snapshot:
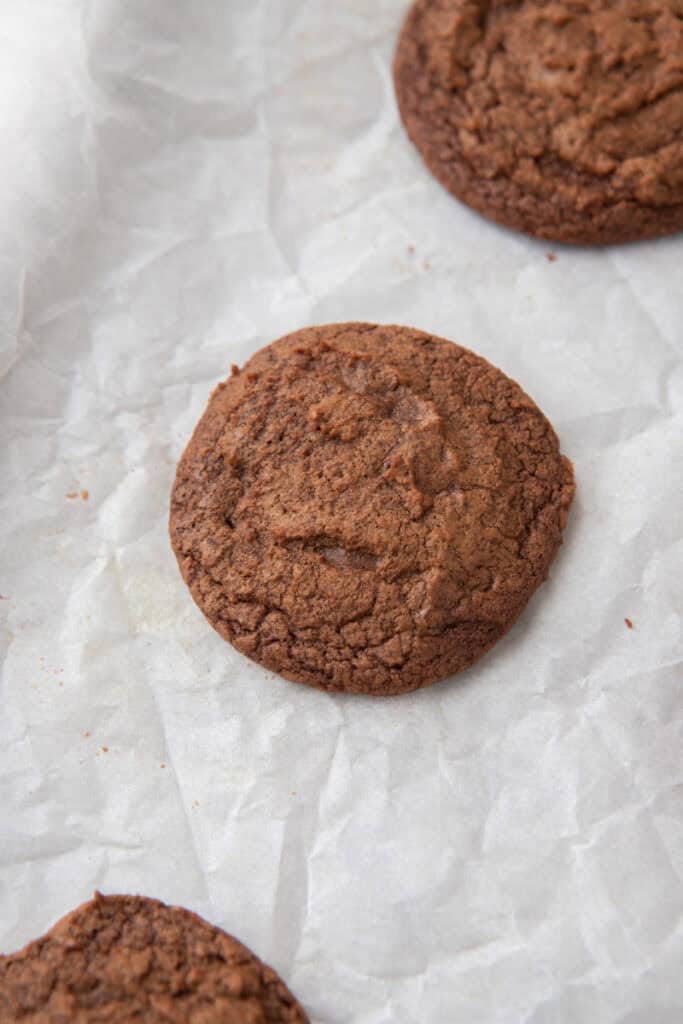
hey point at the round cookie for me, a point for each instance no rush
(560, 119)
(125, 958)
(368, 509)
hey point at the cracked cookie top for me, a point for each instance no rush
(562, 119)
(368, 509)
(126, 958)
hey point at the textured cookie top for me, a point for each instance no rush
(561, 119)
(368, 508)
(120, 959)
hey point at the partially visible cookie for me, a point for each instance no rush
(561, 119)
(120, 959)
(368, 509)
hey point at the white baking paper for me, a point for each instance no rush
(182, 183)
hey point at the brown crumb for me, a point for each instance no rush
(85, 735)
(427, 265)
(85, 495)
(71, 495)
(105, 750)
(628, 623)
(551, 257)
(411, 250)
(162, 765)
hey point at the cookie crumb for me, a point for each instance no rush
(162, 765)
(86, 735)
(85, 495)
(105, 750)
(628, 623)
(427, 265)
(72, 495)
(411, 250)
(551, 257)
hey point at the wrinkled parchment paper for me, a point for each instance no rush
(182, 183)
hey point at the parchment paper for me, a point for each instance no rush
(182, 183)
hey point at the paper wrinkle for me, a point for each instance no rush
(182, 800)
(182, 185)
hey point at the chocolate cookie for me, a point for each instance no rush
(368, 509)
(561, 119)
(124, 958)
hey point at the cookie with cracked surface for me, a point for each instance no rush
(368, 509)
(560, 119)
(126, 958)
